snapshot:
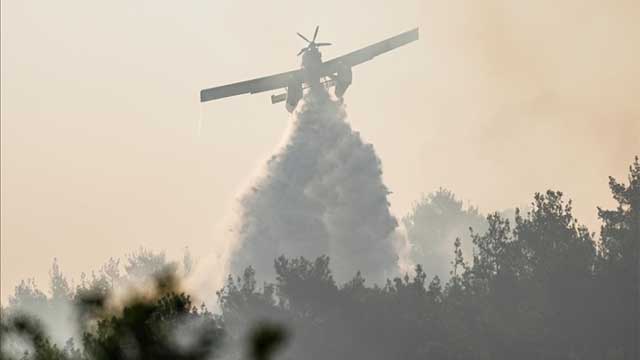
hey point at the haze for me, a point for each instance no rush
(102, 151)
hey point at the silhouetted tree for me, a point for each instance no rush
(144, 263)
(619, 267)
(433, 224)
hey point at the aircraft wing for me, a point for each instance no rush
(266, 83)
(365, 54)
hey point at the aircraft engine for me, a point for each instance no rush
(343, 80)
(294, 94)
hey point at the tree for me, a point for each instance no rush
(432, 226)
(559, 260)
(60, 289)
(619, 262)
(24, 333)
(166, 327)
(27, 295)
(307, 286)
(144, 263)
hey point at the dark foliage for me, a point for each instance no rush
(540, 287)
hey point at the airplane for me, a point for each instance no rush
(313, 72)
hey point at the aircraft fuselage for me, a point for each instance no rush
(311, 66)
(312, 76)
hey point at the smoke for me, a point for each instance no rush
(527, 85)
(322, 193)
(55, 317)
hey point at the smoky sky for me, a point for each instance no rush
(99, 107)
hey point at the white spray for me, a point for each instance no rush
(322, 193)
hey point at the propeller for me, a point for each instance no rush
(312, 43)
(304, 38)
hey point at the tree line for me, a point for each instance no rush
(535, 285)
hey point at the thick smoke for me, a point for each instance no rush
(321, 194)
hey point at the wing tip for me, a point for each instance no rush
(415, 32)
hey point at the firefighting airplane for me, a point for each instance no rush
(313, 73)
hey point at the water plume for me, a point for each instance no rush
(321, 193)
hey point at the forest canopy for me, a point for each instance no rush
(539, 285)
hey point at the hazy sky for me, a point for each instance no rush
(100, 111)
